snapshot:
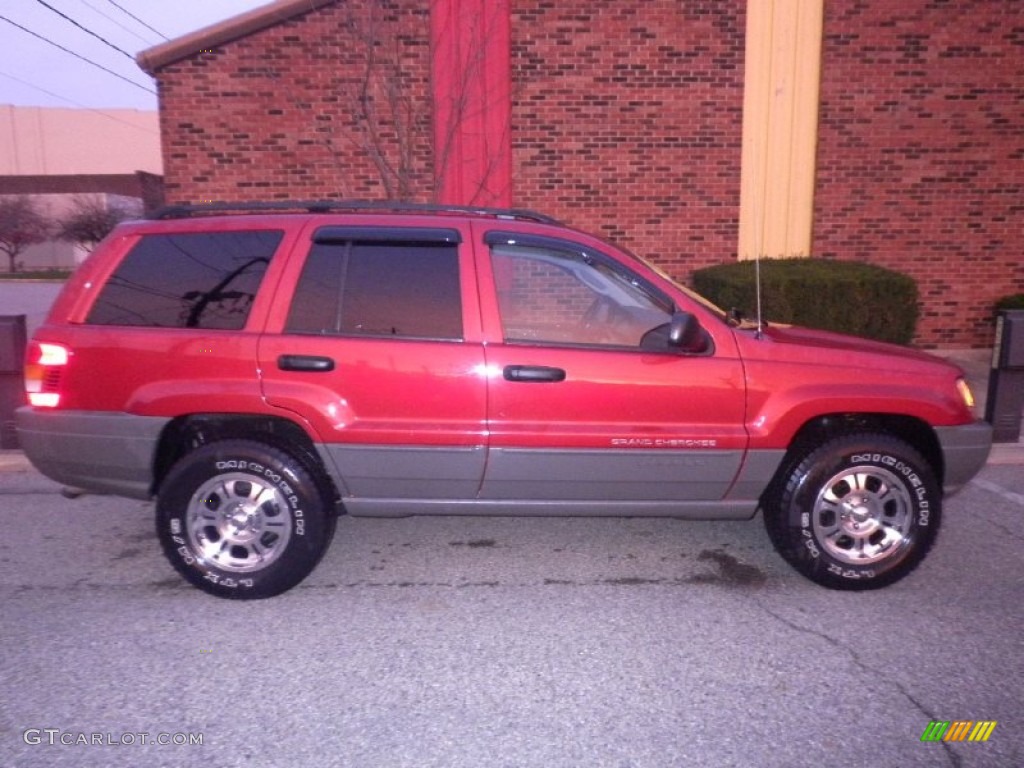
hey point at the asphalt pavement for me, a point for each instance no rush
(524, 642)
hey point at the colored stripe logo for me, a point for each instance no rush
(958, 730)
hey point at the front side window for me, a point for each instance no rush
(193, 280)
(548, 295)
(379, 288)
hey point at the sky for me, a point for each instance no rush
(34, 72)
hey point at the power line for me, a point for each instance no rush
(112, 20)
(129, 13)
(77, 104)
(76, 55)
(85, 29)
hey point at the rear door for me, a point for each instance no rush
(378, 349)
(584, 405)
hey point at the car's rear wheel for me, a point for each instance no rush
(244, 520)
(858, 512)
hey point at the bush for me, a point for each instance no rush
(1014, 301)
(91, 218)
(844, 296)
(22, 223)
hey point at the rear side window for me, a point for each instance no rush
(395, 289)
(195, 280)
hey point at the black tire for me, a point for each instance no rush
(859, 512)
(244, 520)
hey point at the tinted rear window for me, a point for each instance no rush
(195, 280)
(403, 289)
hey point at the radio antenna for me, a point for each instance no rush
(757, 290)
(755, 175)
(758, 246)
(760, 216)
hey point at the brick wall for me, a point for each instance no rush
(921, 152)
(627, 121)
(280, 114)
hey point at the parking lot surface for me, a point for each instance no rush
(505, 642)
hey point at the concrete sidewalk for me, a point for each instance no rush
(13, 461)
(975, 362)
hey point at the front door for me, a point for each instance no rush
(583, 403)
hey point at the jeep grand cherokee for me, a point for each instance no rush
(261, 369)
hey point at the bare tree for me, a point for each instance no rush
(380, 119)
(380, 113)
(21, 224)
(390, 124)
(90, 219)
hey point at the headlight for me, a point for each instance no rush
(965, 392)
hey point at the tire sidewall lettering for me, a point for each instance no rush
(798, 541)
(183, 550)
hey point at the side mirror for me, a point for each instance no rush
(684, 333)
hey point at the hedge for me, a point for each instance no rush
(1014, 301)
(844, 296)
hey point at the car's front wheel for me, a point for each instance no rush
(858, 512)
(244, 520)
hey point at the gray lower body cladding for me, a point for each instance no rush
(114, 453)
(99, 451)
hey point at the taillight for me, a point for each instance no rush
(44, 365)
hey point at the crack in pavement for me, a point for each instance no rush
(1007, 495)
(705, 579)
(954, 759)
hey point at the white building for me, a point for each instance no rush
(57, 154)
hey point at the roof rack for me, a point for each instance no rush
(331, 206)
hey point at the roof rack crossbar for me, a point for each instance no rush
(329, 206)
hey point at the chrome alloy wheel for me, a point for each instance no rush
(238, 522)
(863, 515)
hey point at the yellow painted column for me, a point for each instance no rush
(780, 127)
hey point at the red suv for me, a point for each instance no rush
(261, 369)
